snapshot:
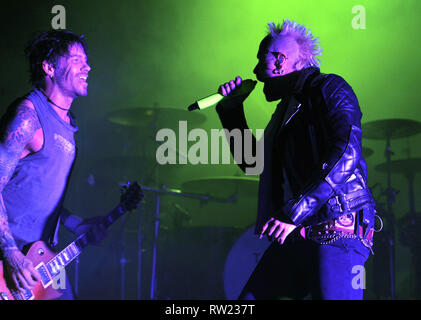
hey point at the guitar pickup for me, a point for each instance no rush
(46, 279)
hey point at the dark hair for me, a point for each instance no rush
(49, 46)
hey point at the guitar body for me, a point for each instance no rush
(49, 264)
(37, 253)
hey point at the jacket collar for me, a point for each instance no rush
(304, 81)
(292, 84)
(295, 101)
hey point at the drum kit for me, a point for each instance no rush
(387, 130)
(183, 218)
(227, 203)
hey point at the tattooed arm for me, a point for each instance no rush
(15, 143)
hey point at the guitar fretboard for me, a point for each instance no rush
(74, 249)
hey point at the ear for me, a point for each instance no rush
(48, 69)
(299, 65)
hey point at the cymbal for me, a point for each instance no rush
(223, 187)
(390, 128)
(404, 166)
(367, 152)
(161, 117)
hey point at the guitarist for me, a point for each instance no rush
(37, 151)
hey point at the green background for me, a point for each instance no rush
(167, 54)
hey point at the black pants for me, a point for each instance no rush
(303, 268)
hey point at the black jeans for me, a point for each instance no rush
(301, 268)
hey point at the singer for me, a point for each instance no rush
(314, 203)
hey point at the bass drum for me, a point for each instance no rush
(241, 261)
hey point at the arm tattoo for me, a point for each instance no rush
(7, 243)
(21, 129)
(19, 132)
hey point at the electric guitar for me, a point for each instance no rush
(50, 264)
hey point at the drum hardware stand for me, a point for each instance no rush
(123, 262)
(139, 255)
(390, 129)
(410, 178)
(153, 127)
(390, 195)
(164, 191)
(151, 117)
(155, 245)
(413, 243)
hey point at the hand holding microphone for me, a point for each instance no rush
(226, 88)
(230, 93)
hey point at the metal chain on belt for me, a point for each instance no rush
(331, 238)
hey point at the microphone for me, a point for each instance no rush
(245, 87)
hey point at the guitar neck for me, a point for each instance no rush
(74, 249)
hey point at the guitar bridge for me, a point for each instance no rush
(4, 296)
(18, 295)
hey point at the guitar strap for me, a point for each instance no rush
(52, 240)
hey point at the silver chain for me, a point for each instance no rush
(333, 238)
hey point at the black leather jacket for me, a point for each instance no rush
(314, 170)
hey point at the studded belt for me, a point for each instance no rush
(342, 227)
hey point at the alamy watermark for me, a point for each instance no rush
(359, 20)
(59, 280)
(59, 20)
(358, 281)
(198, 153)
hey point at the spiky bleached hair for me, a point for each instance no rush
(308, 44)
